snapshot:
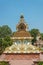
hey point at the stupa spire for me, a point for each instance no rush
(21, 26)
(21, 16)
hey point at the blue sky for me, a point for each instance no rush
(10, 11)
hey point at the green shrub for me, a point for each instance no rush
(40, 63)
(4, 63)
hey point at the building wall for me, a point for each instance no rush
(21, 59)
(29, 56)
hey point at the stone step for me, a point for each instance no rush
(21, 62)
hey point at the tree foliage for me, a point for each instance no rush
(5, 31)
(4, 63)
(7, 42)
(1, 46)
(34, 33)
(40, 63)
(42, 36)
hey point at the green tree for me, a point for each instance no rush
(0, 32)
(34, 33)
(5, 31)
(41, 36)
(1, 46)
(7, 42)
